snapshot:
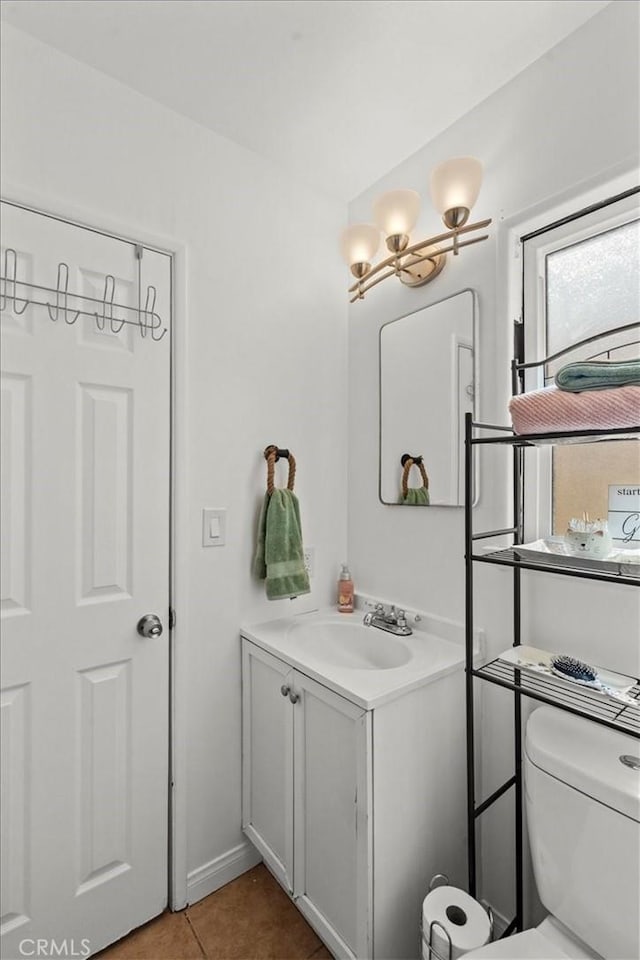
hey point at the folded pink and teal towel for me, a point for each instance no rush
(598, 375)
(550, 410)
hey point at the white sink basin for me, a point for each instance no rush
(350, 645)
(364, 664)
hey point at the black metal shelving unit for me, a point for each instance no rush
(559, 693)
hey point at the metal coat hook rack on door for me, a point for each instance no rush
(146, 318)
(149, 311)
(9, 284)
(62, 296)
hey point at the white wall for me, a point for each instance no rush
(567, 123)
(265, 360)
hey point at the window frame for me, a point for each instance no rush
(534, 247)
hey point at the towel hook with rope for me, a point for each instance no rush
(272, 454)
(407, 462)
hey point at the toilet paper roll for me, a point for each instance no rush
(463, 918)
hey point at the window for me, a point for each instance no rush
(581, 277)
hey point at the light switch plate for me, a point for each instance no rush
(214, 526)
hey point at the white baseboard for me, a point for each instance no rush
(225, 868)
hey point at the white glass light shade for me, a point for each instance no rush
(396, 212)
(456, 183)
(359, 243)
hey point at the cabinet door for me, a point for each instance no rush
(267, 759)
(332, 794)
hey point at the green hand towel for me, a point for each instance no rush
(598, 375)
(416, 497)
(259, 562)
(279, 555)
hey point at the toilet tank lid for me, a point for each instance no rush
(585, 756)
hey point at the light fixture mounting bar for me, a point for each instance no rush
(397, 260)
(359, 294)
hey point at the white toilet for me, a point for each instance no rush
(583, 813)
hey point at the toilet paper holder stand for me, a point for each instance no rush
(441, 880)
(432, 952)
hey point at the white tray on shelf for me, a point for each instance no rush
(555, 551)
(612, 686)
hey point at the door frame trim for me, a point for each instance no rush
(177, 251)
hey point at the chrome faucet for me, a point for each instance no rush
(392, 620)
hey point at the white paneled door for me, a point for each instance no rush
(85, 555)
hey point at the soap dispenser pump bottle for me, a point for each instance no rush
(345, 591)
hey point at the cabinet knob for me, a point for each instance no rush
(294, 697)
(285, 690)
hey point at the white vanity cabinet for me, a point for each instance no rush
(306, 796)
(267, 760)
(354, 809)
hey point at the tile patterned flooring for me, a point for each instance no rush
(250, 918)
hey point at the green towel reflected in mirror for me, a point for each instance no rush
(416, 497)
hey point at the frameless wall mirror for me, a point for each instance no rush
(428, 382)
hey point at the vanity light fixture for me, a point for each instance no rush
(455, 185)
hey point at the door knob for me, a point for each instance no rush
(284, 690)
(149, 626)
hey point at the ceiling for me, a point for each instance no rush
(337, 92)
